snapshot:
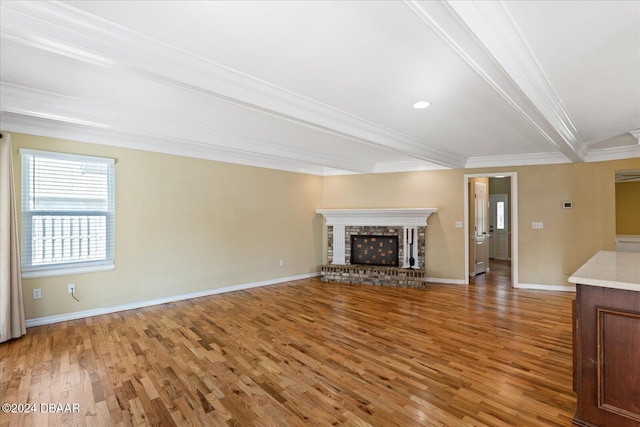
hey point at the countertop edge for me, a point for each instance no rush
(604, 283)
(610, 269)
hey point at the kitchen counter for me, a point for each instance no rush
(608, 269)
(606, 340)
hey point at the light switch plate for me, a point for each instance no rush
(537, 225)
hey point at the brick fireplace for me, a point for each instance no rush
(407, 226)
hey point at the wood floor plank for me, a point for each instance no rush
(307, 353)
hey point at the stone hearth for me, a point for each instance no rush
(374, 275)
(409, 225)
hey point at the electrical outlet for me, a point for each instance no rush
(37, 293)
(458, 224)
(71, 288)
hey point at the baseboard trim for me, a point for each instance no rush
(446, 281)
(47, 320)
(539, 287)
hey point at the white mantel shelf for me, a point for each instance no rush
(377, 217)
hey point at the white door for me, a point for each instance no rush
(499, 226)
(481, 233)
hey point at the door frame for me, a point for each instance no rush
(514, 221)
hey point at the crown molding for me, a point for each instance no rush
(43, 126)
(83, 120)
(636, 134)
(484, 35)
(529, 159)
(410, 166)
(116, 138)
(532, 159)
(64, 30)
(614, 153)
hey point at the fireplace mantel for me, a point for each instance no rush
(410, 219)
(375, 217)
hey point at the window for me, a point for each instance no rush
(67, 213)
(500, 215)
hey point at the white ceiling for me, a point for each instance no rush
(327, 87)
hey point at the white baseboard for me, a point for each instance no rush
(535, 286)
(446, 281)
(47, 320)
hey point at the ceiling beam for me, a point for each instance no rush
(484, 35)
(28, 110)
(64, 30)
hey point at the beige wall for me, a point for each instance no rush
(570, 236)
(546, 257)
(500, 186)
(186, 225)
(628, 208)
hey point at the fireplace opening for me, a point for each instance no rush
(374, 250)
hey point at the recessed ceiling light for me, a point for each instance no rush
(421, 104)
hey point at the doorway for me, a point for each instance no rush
(479, 227)
(498, 226)
(500, 238)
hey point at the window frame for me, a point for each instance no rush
(65, 267)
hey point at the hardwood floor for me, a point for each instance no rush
(306, 353)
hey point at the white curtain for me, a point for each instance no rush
(12, 324)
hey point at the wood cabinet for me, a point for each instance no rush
(607, 356)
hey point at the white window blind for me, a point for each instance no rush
(67, 213)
